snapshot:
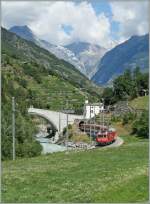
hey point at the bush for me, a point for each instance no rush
(125, 120)
(69, 126)
(6, 133)
(115, 118)
(23, 83)
(129, 85)
(28, 149)
(81, 137)
(6, 148)
(25, 130)
(141, 125)
(108, 95)
(128, 117)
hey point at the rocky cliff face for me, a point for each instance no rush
(88, 54)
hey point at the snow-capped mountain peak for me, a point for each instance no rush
(84, 56)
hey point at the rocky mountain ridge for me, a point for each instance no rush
(84, 56)
(127, 55)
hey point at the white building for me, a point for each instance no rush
(90, 110)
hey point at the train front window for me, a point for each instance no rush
(101, 136)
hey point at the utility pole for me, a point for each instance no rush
(84, 113)
(90, 123)
(13, 126)
(99, 121)
(67, 134)
(103, 111)
(94, 120)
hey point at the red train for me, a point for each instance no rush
(105, 137)
(93, 127)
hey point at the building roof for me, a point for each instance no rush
(93, 104)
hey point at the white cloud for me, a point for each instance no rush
(132, 16)
(46, 18)
(21, 12)
(81, 17)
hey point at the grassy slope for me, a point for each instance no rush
(140, 102)
(100, 175)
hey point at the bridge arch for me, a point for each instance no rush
(46, 118)
(57, 119)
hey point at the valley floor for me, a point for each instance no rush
(100, 175)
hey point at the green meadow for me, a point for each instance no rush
(100, 175)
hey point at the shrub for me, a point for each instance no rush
(125, 120)
(128, 117)
(81, 138)
(141, 125)
(115, 118)
(28, 149)
(69, 126)
(23, 83)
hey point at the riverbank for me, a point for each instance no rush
(49, 147)
(48, 144)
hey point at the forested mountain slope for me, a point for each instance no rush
(35, 77)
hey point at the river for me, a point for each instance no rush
(48, 147)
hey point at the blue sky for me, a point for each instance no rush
(101, 22)
(103, 6)
(67, 28)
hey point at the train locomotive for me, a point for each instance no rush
(106, 136)
(103, 135)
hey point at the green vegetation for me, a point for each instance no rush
(35, 77)
(100, 175)
(141, 125)
(81, 137)
(132, 87)
(37, 61)
(139, 122)
(77, 136)
(129, 85)
(134, 124)
(128, 118)
(32, 73)
(141, 102)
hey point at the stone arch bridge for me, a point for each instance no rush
(58, 120)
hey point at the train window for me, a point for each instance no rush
(100, 136)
